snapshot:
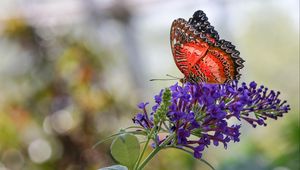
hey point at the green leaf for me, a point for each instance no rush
(125, 149)
(114, 167)
(141, 132)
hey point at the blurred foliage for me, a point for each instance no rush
(62, 105)
(291, 157)
(257, 158)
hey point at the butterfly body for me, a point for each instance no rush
(199, 53)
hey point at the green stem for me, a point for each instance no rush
(144, 149)
(191, 153)
(155, 151)
(149, 157)
(207, 163)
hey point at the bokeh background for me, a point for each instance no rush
(72, 72)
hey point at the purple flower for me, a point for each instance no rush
(203, 110)
(142, 119)
(143, 105)
(158, 99)
(198, 150)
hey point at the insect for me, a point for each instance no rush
(199, 53)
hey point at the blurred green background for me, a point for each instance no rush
(72, 72)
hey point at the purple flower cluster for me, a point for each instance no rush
(203, 110)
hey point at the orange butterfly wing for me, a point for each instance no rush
(200, 55)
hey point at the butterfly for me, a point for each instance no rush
(199, 53)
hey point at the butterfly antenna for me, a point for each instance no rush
(162, 79)
(168, 75)
(172, 78)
